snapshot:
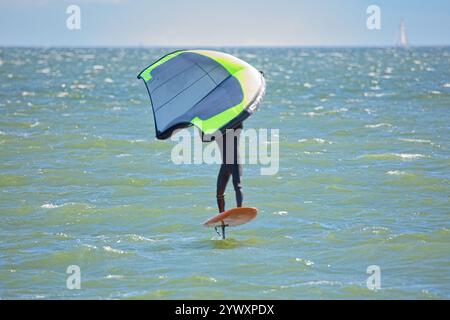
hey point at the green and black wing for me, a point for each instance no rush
(209, 89)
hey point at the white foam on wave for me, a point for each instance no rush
(386, 156)
(51, 206)
(395, 172)
(110, 249)
(322, 141)
(281, 213)
(374, 95)
(333, 111)
(378, 125)
(82, 86)
(136, 237)
(312, 152)
(44, 71)
(89, 246)
(62, 94)
(123, 155)
(424, 141)
(305, 261)
(136, 140)
(409, 156)
(62, 235)
(415, 140)
(313, 283)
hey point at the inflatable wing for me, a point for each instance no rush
(209, 89)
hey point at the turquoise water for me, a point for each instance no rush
(363, 180)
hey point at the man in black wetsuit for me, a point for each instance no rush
(231, 166)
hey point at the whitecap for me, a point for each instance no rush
(51, 206)
(136, 237)
(110, 249)
(409, 156)
(383, 124)
(305, 261)
(395, 172)
(44, 71)
(89, 246)
(317, 140)
(312, 283)
(62, 235)
(373, 95)
(310, 114)
(281, 213)
(82, 86)
(62, 94)
(321, 141)
(415, 140)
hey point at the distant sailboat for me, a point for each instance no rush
(403, 38)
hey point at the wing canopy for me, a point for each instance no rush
(209, 89)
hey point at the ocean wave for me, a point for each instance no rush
(392, 156)
(313, 283)
(415, 140)
(395, 173)
(110, 249)
(136, 237)
(51, 206)
(383, 124)
(281, 213)
(306, 262)
(114, 276)
(122, 155)
(315, 140)
(324, 113)
(422, 141)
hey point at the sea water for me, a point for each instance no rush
(363, 180)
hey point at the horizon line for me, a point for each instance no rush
(367, 46)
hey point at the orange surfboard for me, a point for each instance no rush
(232, 217)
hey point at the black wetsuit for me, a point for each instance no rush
(232, 167)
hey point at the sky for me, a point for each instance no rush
(197, 23)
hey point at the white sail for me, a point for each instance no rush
(403, 40)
